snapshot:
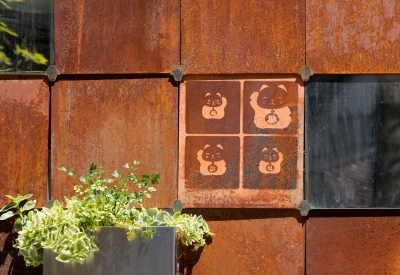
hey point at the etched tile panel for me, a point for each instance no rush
(241, 143)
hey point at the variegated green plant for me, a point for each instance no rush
(15, 208)
(70, 231)
(56, 229)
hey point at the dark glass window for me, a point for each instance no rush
(353, 141)
(26, 35)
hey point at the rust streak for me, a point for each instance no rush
(80, 32)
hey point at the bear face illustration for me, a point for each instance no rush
(214, 106)
(211, 160)
(270, 107)
(271, 161)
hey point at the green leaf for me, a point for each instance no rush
(29, 205)
(6, 29)
(160, 216)
(5, 5)
(71, 173)
(8, 196)
(154, 178)
(7, 215)
(80, 245)
(63, 168)
(27, 196)
(185, 240)
(36, 263)
(92, 167)
(32, 252)
(18, 224)
(20, 198)
(40, 257)
(152, 212)
(117, 174)
(56, 204)
(47, 211)
(145, 179)
(63, 258)
(8, 207)
(168, 219)
(23, 252)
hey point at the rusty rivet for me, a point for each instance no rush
(305, 73)
(304, 208)
(177, 73)
(52, 73)
(177, 206)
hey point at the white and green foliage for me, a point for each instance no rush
(53, 228)
(190, 228)
(98, 201)
(18, 208)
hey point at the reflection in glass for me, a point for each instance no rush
(26, 34)
(353, 141)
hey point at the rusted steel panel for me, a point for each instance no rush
(239, 36)
(353, 245)
(24, 126)
(10, 262)
(353, 36)
(116, 36)
(241, 143)
(112, 122)
(249, 242)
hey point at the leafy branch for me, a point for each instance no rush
(98, 201)
(17, 208)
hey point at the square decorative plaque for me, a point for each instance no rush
(241, 143)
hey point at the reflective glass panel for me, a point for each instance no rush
(353, 141)
(26, 35)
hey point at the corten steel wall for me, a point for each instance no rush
(24, 127)
(24, 132)
(110, 37)
(239, 36)
(115, 102)
(350, 37)
(353, 242)
(111, 122)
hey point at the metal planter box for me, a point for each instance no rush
(118, 256)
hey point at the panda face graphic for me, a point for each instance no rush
(211, 160)
(212, 153)
(272, 97)
(271, 160)
(270, 155)
(270, 107)
(214, 106)
(213, 100)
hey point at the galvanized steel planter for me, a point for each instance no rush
(118, 256)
